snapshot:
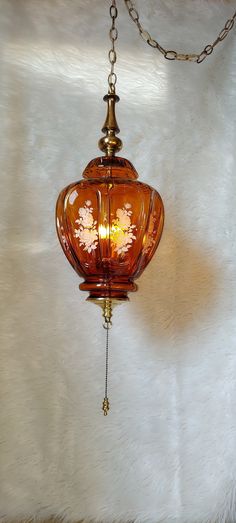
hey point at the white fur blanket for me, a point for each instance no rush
(167, 451)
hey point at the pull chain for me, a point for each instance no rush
(107, 314)
(106, 404)
(112, 78)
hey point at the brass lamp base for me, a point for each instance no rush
(107, 305)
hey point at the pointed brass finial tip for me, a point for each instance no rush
(110, 144)
(105, 406)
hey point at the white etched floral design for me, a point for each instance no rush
(122, 230)
(87, 230)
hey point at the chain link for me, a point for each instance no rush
(174, 55)
(113, 34)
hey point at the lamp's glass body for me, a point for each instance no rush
(109, 226)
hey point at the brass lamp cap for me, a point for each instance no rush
(110, 143)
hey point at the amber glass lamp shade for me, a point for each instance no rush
(109, 226)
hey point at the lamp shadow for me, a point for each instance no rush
(179, 288)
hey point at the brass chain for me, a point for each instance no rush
(113, 33)
(174, 55)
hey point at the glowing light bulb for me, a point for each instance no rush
(103, 231)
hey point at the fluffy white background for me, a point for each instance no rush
(167, 450)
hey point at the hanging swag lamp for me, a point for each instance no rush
(109, 224)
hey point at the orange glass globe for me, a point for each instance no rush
(109, 226)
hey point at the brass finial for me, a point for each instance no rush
(110, 143)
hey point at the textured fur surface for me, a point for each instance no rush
(167, 450)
